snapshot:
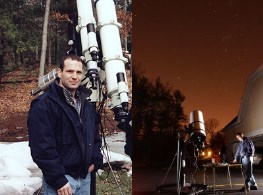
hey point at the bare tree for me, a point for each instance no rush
(211, 126)
(44, 40)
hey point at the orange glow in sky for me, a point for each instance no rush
(207, 49)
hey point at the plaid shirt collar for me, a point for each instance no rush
(70, 99)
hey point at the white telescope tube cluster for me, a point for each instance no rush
(113, 60)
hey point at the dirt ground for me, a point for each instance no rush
(15, 98)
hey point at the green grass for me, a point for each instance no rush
(106, 184)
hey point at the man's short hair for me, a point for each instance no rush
(71, 57)
(239, 134)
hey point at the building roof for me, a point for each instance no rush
(230, 124)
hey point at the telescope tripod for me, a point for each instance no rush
(180, 186)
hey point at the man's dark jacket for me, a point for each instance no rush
(245, 148)
(61, 142)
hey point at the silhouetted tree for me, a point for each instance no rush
(217, 142)
(158, 112)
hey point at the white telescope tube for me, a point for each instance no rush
(86, 28)
(198, 134)
(111, 49)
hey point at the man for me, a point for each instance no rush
(245, 152)
(63, 134)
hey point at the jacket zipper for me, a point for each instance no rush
(81, 136)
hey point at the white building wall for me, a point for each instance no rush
(250, 118)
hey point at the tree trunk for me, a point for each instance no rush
(36, 54)
(125, 34)
(49, 52)
(56, 44)
(44, 41)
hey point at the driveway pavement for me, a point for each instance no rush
(145, 180)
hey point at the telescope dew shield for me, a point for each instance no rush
(197, 128)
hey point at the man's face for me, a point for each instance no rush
(70, 77)
(239, 138)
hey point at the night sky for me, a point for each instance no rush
(205, 48)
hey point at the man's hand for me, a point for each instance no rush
(65, 190)
(91, 168)
(235, 160)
